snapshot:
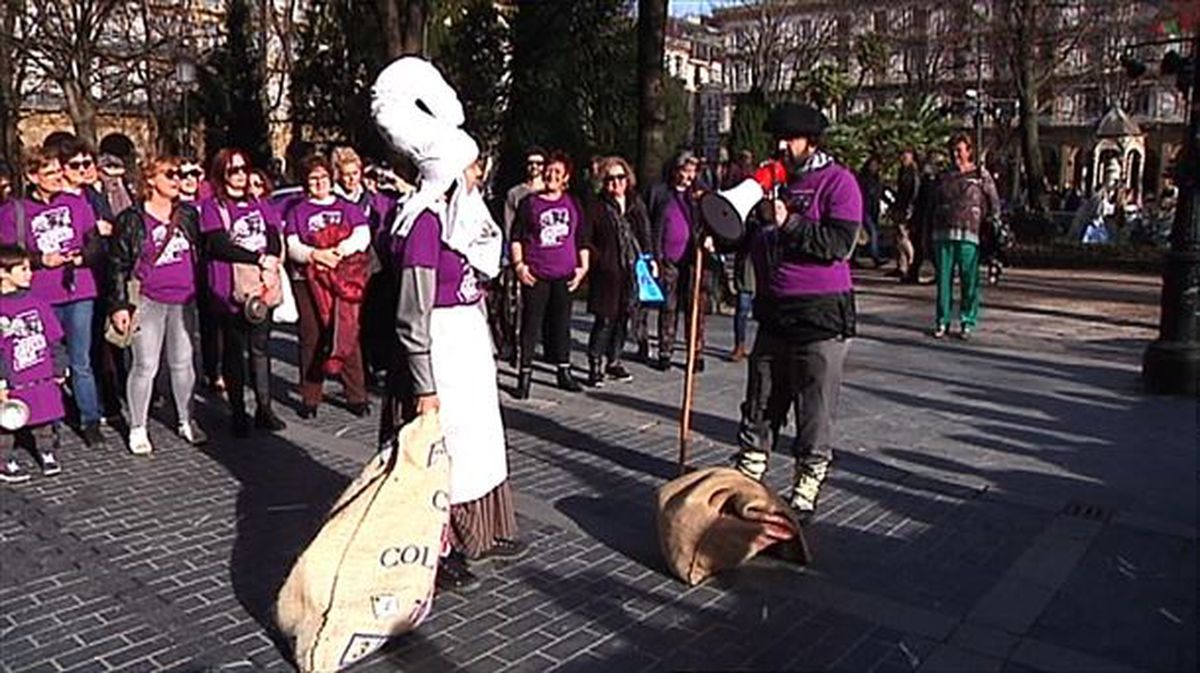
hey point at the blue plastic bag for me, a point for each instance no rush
(648, 290)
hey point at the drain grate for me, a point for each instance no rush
(1091, 512)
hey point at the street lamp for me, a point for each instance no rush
(1171, 364)
(185, 76)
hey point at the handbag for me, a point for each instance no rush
(649, 291)
(255, 290)
(133, 290)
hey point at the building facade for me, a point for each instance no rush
(957, 52)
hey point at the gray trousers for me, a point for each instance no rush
(785, 376)
(158, 323)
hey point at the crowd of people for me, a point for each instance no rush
(101, 278)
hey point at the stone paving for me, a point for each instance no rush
(1013, 503)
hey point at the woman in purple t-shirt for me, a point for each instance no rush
(550, 257)
(155, 244)
(238, 229)
(306, 220)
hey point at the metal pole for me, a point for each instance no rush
(1171, 364)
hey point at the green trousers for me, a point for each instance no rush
(963, 256)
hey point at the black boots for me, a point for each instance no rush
(566, 381)
(595, 375)
(524, 380)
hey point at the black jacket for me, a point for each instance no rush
(126, 247)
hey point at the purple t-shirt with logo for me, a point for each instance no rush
(60, 226)
(423, 248)
(28, 332)
(306, 218)
(828, 193)
(166, 268)
(251, 223)
(676, 227)
(548, 230)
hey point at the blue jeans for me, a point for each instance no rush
(76, 319)
(872, 228)
(741, 316)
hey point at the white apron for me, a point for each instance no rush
(465, 375)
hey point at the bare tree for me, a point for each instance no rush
(1036, 39)
(777, 40)
(88, 51)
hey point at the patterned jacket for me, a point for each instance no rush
(964, 202)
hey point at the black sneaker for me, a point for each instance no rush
(49, 463)
(266, 419)
(92, 436)
(505, 549)
(454, 575)
(662, 364)
(617, 372)
(567, 381)
(11, 473)
(359, 409)
(306, 412)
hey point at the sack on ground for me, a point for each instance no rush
(718, 518)
(368, 575)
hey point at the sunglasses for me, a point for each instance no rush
(535, 162)
(616, 178)
(171, 174)
(79, 164)
(191, 173)
(236, 170)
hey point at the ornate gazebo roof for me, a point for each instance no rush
(1116, 124)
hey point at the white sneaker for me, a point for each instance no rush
(139, 442)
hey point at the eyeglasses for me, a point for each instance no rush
(618, 177)
(235, 170)
(79, 164)
(535, 162)
(191, 173)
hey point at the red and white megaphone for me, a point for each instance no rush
(725, 212)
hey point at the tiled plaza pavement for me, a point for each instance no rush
(1009, 504)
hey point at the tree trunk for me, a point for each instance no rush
(10, 104)
(82, 110)
(652, 112)
(404, 27)
(1027, 94)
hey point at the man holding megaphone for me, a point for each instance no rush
(804, 306)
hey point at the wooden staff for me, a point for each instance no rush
(689, 376)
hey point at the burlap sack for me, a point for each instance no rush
(368, 575)
(719, 518)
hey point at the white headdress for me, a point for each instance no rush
(420, 115)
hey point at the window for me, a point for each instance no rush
(881, 21)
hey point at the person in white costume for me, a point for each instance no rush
(445, 245)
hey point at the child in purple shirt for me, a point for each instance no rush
(32, 365)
